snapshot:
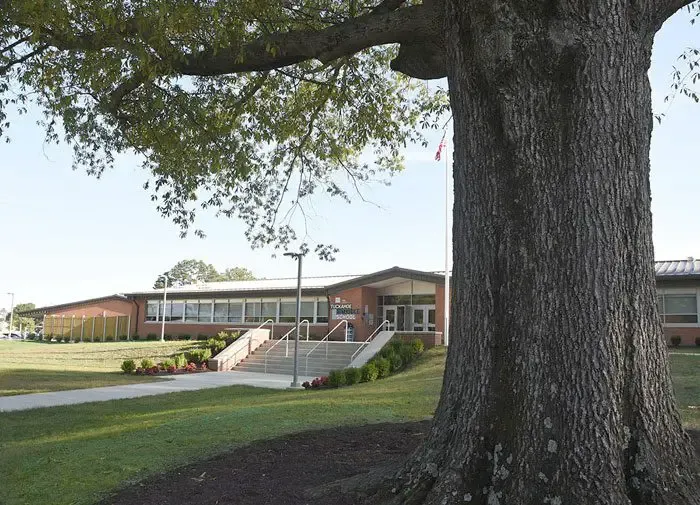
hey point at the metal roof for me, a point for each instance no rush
(689, 267)
(289, 283)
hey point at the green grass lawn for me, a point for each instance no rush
(75, 454)
(34, 367)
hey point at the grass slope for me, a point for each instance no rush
(33, 367)
(73, 455)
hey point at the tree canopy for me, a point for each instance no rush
(26, 323)
(192, 271)
(244, 107)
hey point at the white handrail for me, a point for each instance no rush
(325, 339)
(286, 338)
(250, 336)
(369, 339)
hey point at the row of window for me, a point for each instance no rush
(235, 311)
(678, 308)
(406, 300)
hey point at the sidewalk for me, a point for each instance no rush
(177, 383)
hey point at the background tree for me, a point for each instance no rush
(193, 271)
(19, 321)
(557, 388)
(236, 274)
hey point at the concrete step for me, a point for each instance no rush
(315, 372)
(290, 359)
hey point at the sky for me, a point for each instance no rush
(67, 236)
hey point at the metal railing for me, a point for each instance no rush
(369, 339)
(250, 334)
(325, 339)
(285, 337)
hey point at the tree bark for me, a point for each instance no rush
(557, 386)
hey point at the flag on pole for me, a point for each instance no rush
(442, 145)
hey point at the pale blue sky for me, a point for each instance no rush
(67, 236)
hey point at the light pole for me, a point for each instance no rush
(295, 380)
(12, 311)
(165, 298)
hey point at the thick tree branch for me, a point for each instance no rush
(281, 50)
(661, 10)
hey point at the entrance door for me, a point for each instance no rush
(418, 319)
(401, 318)
(390, 315)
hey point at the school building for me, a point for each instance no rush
(349, 307)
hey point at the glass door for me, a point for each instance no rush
(390, 315)
(401, 318)
(418, 319)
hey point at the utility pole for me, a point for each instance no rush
(165, 297)
(295, 380)
(12, 311)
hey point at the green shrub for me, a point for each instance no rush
(352, 375)
(47, 338)
(228, 337)
(151, 336)
(417, 346)
(168, 363)
(128, 366)
(147, 363)
(406, 353)
(135, 336)
(697, 340)
(180, 360)
(122, 338)
(395, 362)
(369, 372)
(185, 337)
(109, 338)
(202, 337)
(198, 356)
(215, 345)
(383, 367)
(676, 340)
(395, 346)
(167, 338)
(336, 378)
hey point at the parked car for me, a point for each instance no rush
(13, 335)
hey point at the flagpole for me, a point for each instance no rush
(446, 330)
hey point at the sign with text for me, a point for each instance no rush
(344, 311)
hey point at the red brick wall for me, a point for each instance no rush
(430, 339)
(688, 335)
(358, 298)
(440, 308)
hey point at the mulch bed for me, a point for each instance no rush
(281, 470)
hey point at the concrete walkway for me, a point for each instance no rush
(177, 383)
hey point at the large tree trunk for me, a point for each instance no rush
(557, 387)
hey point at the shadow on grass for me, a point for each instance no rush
(21, 381)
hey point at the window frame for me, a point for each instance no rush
(662, 293)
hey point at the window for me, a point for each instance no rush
(152, 311)
(307, 311)
(191, 311)
(220, 312)
(423, 300)
(269, 311)
(322, 312)
(204, 312)
(678, 308)
(235, 312)
(288, 312)
(253, 312)
(177, 311)
(406, 300)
